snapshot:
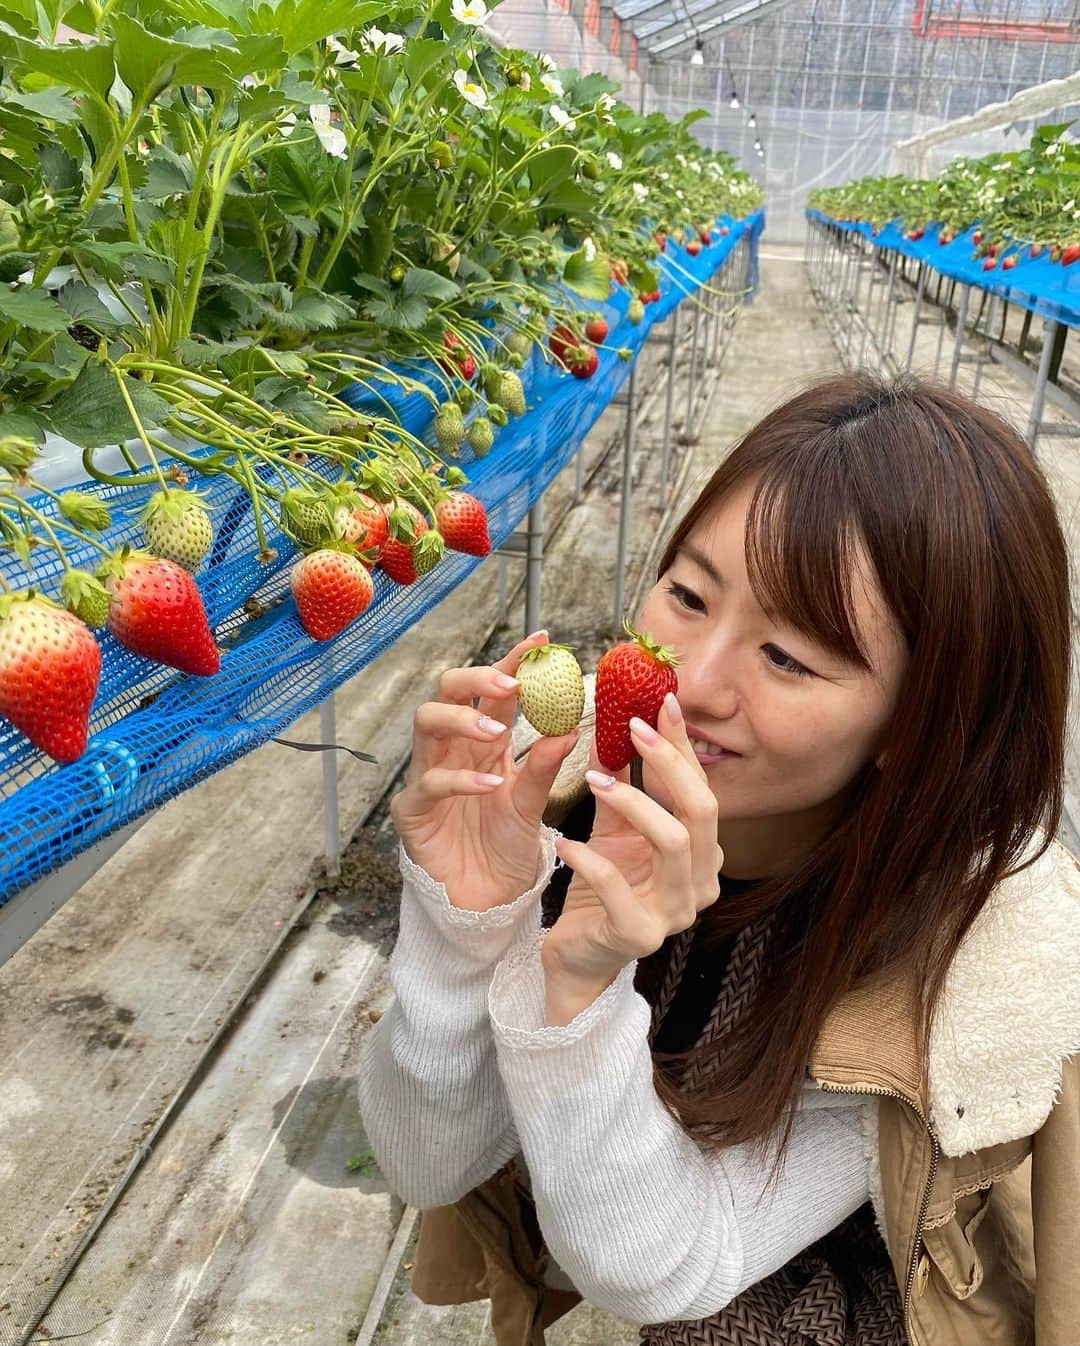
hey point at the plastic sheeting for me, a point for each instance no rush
(1035, 283)
(155, 732)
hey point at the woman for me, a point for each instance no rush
(840, 1104)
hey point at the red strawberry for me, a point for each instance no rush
(396, 556)
(694, 247)
(157, 611)
(462, 520)
(371, 522)
(945, 237)
(50, 664)
(724, 231)
(596, 329)
(461, 361)
(583, 362)
(989, 263)
(1071, 253)
(560, 341)
(331, 589)
(654, 297)
(706, 238)
(661, 240)
(915, 234)
(631, 679)
(1036, 250)
(992, 249)
(977, 236)
(1009, 262)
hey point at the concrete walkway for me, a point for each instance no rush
(247, 1224)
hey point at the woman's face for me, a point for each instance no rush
(784, 725)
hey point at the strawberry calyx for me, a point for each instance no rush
(538, 652)
(663, 654)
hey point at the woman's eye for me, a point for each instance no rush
(686, 597)
(784, 662)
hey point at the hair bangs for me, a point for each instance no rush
(803, 551)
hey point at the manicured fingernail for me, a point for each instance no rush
(486, 778)
(505, 680)
(599, 781)
(673, 707)
(490, 726)
(644, 731)
(538, 635)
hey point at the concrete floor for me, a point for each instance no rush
(245, 1224)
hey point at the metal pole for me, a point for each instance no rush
(625, 497)
(669, 403)
(1038, 396)
(534, 564)
(331, 803)
(918, 314)
(693, 372)
(579, 473)
(961, 323)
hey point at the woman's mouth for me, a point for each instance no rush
(707, 753)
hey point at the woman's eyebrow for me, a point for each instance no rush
(701, 560)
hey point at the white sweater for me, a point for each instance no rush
(461, 1074)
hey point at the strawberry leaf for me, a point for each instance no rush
(32, 308)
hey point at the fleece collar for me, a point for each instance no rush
(1010, 1010)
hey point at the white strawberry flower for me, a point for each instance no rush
(614, 160)
(588, 247)
(681, 159)
(605, 102)
(386, 44)
(640, 190)
(552, 85)
(471, 91)
(559, 117)
(342, 55)
(546, 62)
(470, 12)
(332, 138)
(525, 83)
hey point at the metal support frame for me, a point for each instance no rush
(669, 403)
(331, 801)
(836, 283)
(626, 494)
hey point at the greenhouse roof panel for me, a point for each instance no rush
(677, 27)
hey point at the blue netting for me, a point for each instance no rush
(1035, 283)
(156, 732)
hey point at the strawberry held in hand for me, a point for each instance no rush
(631, 679)
(157, 611)
(50, 664)
(552, 691)
(331, 589)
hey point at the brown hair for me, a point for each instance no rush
(957, 519)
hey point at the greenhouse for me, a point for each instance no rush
(538, 777)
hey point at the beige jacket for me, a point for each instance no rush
(974, 1151)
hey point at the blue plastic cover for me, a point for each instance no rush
(1035, 283)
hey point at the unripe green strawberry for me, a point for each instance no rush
(86, 596)
(552, 691)
(306, 516)
(506, 391)
(428, 552)
(517, 343)
(636, 312)
(449, 427)
(85, 510)
(481, 436)
(177, 527)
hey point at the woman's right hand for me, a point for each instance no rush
(468, 814)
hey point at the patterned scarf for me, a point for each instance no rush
(841, 1291)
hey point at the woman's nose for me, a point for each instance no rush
(707, 689)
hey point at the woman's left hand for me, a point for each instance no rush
(643, 875)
